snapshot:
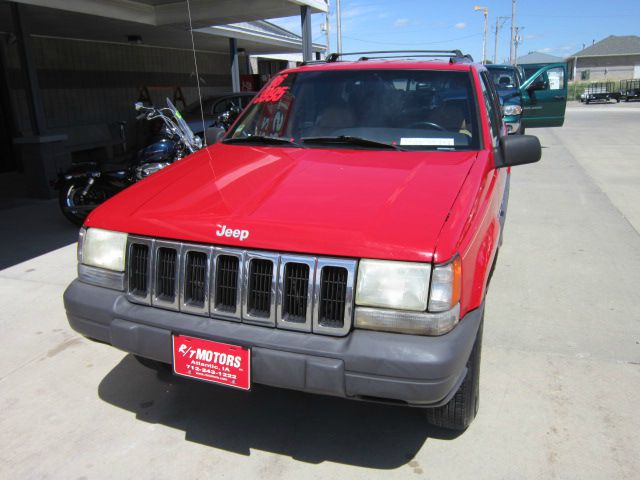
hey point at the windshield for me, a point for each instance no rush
(407, 109)
(505, 79)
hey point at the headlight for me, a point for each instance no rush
(388, 284)
(445, 286)
(512, 109)
(394, 296)
(103, 249)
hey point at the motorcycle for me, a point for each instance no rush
(85, 186)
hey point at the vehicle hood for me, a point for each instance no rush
(338, 202)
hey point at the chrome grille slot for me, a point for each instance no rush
(194, 296)
(295, 290)
(259, 293)
(333, 291)
(333, 297)
(139, 270)
(227, 273)
(166, 275)
(259, 303)
(226, 289)
(195, 274)
(139, 263)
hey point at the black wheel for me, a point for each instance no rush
(520, 130)
(153, 364)
(75, 206)
(462, 408)
(587, 102)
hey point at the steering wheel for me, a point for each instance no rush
(433, 125)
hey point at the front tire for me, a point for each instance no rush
(76, 207)
(460, 411)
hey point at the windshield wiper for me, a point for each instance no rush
(349, 140)
(262, 139)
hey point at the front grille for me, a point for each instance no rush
(295, 292)
(139, 270)
(333, 293)
(166, 274)
(195, 276)
(226, 291)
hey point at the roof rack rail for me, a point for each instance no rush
(455, 56)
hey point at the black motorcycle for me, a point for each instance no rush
(85, 186)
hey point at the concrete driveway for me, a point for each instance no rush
(560, 374)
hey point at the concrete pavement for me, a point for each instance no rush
(560, 373)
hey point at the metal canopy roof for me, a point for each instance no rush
(204, 13)
(258, 37)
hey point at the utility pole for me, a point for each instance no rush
(512, 58)
(339, 26)
(499, 23)
(517, 41)
(485, 12)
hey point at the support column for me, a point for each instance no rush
(305, 18)
(235, 67)
(42, 156)
(32, 87)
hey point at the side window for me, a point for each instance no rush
(493, 106)
(552, 79)
(556, 78)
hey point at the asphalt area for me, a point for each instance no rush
(560, 378)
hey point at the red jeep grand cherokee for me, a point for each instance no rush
(339, 240)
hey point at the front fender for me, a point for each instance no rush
(473, 228)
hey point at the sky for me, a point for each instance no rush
(556, 27)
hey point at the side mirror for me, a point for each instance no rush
(213, 134)
(138, 106)
(518, 150)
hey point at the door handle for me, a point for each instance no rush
(559, 97)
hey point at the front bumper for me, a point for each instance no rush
(366, 365)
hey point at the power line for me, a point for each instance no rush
(414, 43)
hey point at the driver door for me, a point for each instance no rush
(544, 97)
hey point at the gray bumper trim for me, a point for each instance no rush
(420, 371)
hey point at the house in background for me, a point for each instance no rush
(614, 58)
(533, 61)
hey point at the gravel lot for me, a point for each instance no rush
(560, 375)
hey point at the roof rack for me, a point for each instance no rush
(455, 56)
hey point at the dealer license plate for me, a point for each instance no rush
(212, 361)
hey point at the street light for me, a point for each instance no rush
(485, 12)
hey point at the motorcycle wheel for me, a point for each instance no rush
(75, 207)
